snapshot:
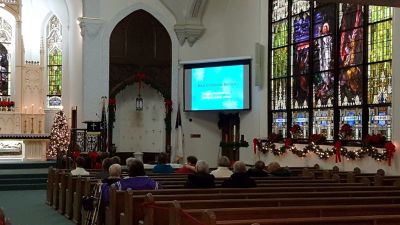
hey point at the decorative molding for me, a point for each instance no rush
(90, 26)
(188, 32)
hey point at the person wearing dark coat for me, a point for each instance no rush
(239, 178)
(201, 178)
(257, 170)
(276, 170)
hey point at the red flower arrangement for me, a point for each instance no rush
(295, 130)
(141, 76)
(288, 142)
(7, 103)
(346, 131)
(375, 140)
(274, 138)
(317, 139)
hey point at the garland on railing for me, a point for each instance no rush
(371, 146)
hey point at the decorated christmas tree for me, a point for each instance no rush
(59, 136)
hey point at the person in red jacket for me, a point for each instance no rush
(189, 167)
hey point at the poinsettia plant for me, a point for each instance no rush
(317, 139)
(346, 131)
(375, 140)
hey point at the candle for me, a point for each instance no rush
(26, 109)
(234, 133)
(40, 109)
(32, 107)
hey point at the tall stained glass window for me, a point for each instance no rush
(5, 47)
(54, 62)
(330, 65)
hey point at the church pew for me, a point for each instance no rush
(56, 187)
(77, 199)
(218, 182)
(133, 206)
(209, 219)
(117, 197)
(282, 212)
(276, 202)
(50, 181)
(69, 195)
(62, 191)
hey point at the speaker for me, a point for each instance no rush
(259, 64)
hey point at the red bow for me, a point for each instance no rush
(93, 156)
(288, 142)
(390, 149)
(338, 146)
(255, 143)
(140, 76)
(168, 105)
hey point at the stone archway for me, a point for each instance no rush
(139, 43)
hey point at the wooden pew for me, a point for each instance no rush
(69, 195)
(50, 181)
(77, 199)
(209, 219)
(283, 212)
(135, 204)
(63, 181)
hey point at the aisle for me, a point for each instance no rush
(29, 208)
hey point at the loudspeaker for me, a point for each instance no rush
(259, 64)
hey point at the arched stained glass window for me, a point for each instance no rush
(330, 65)
(54, 62)
(5, 48)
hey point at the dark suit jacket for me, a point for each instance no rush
(239, 180)
(200, 180)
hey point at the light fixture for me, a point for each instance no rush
(139, 103)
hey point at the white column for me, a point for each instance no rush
(95, 83)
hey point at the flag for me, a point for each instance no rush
(178, 156)
(103, 127)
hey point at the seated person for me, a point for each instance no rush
(80, 171)
(223, 168)
(162, 166)
(137, 179)
(115, 176)
(105, 165)
(116, 160)
(189, 167)
(201, 178)
(276, 170)
(239, 178)
(257, 170)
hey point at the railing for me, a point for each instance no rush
(85, 141)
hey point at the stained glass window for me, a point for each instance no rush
(301, 118)
(323, 123)
(5, 47)
(54, 62)
(279, 123)
(330, 62)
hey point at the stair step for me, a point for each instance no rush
(24, 181)
(27, 165)
(9, 187)
(26, 176)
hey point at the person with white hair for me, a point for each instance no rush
(239, 178)
(201, 178)
(223, 170)
(137, 179)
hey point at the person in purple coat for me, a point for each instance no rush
(137, 179)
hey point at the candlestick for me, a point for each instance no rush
(32, 131)
(24, 126)
(32, 107)
(40, 110)
(26, 109)
(234, 133)
(40, 126)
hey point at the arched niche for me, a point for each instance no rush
(140, 44)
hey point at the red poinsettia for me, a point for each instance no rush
(273, 137)
(93, 155)
(346, 131)
(295, 129)
(76, 154)
(375, 140)
(317, 139)
(288, 142)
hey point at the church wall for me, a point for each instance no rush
(232, 29)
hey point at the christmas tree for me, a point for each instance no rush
(60, 136)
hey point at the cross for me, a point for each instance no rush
(93, 126)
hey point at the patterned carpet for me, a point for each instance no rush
(29, 208)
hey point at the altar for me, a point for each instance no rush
(22, 136)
